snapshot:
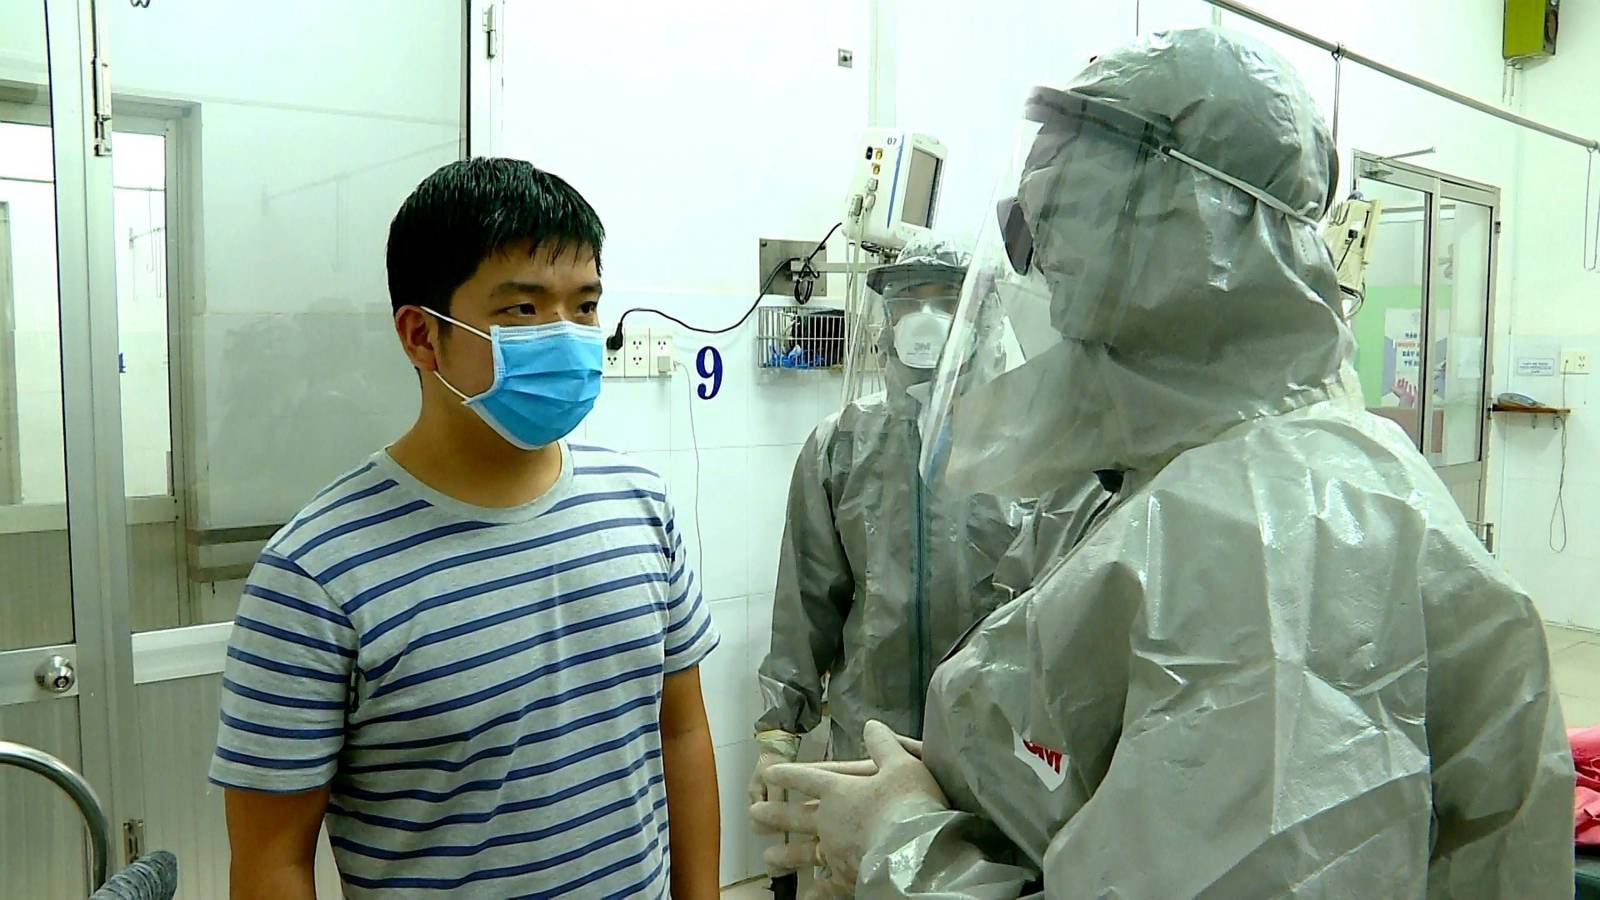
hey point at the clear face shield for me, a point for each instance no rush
(1056, 271)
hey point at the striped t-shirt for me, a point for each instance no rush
(482, 687)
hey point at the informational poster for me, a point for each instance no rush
(1535, 366)
(1536, 357)
(1402, 358)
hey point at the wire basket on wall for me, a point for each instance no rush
(789, 337)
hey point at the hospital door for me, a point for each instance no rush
(194, 336)
(1423, 325)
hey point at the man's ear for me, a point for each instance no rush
(419, 337)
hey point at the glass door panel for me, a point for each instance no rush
(253, 200)
(1388, 324)
(41, 833)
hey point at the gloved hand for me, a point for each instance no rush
(772, 747)
(827, 886)
(855, 800)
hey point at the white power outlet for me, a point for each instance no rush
(1575, 362)
(612, 367)
(661, 353)
(636, 354)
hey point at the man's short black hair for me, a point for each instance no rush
(472, 208)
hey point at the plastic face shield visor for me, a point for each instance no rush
(1076, 219)
(1061, 211)
(1063, 111)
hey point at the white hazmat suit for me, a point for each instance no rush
(1279, 663)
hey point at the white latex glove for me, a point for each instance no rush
(827, 886)
(855, 800)
(772, 747)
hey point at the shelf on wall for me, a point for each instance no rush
(1531, 410)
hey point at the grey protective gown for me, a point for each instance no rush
(878, 576)
(1279, 664)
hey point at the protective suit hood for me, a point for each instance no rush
(1184, 305)
(1278, 663)
(932, 268)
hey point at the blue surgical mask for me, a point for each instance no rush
(546, 379)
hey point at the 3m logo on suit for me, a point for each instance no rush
(1046, 762)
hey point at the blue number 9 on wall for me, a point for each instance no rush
(709, 363)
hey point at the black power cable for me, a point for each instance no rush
(807, 275)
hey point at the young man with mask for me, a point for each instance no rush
(476, 654)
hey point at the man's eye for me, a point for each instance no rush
(590, 308)
(525, 309)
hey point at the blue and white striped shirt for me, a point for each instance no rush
(482, 687)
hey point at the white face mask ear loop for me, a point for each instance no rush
(444, 318)
(459, 324)
(464, 398)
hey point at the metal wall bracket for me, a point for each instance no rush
(774, 254)
(491, 46)
(102, 107)
(100, 84)
(132, 839)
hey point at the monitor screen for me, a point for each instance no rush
(922, 187)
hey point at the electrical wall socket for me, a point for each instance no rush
(636, 354)
(1575, 362)
(612, 368)
(661, 353)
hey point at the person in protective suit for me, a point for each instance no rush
(878, 575)
(1278, 663)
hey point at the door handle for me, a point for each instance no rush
(56, 675)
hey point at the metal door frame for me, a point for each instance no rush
(1439, 186)
(10, 428)
(96, 508)
(104, 645)
(96, 500)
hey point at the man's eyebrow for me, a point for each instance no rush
(536, 288)
(519, 287)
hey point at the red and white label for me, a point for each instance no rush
(1046, 762)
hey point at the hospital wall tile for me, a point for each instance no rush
(719, 483)
(659, 462)
(632, 414)
(1558, 583)
(735, 764)
(1524, 523)
(1535, 445)
(722, 419)
(785, 405)
(723, 675)
(1529, 453)
(760, 633)
(766, 509)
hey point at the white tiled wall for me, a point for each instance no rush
(1528, 455)
(749, 435)
(689, 167)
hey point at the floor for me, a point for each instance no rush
(754, 889)
(1575, 660)
(1574, 657)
